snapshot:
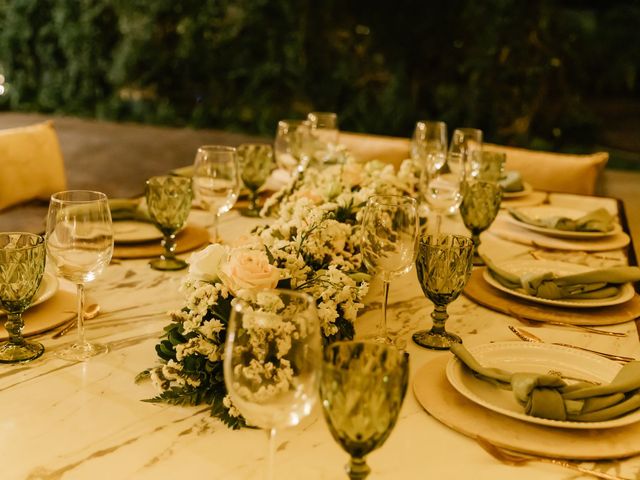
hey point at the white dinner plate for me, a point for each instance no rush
(520, 267)
(536, 358)
(131, 231)
(545, 211)
(48, 286)
(526, 190)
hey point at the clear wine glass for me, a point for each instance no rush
(429, 142)
(324, 127)
(468, 143)
(79, 245)
(256, 163)
(22, 261)
(389, 234)
(479, 208)
(169, 202)
(216, 181)
(362, 389)
(272, 361)
(443, 266)
(292, 145)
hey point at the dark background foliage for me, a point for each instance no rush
(545, 74)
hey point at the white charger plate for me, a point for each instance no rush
(520, 267)
(545, 211)
(535, 358)
(48, 287)
(131, 231)
(527, 189)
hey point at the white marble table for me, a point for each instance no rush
(87, 420)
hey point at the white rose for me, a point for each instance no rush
(352, 174)
(205, 264)
(249, 269)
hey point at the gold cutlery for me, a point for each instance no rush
(90, 312)
(517, 459)
(530, 337)
(538, 323)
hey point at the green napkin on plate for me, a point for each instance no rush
(549, 396)
(511, 182)
(601, 283)
(129, 209)
(599, 220)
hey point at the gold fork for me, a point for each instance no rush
(586, 328)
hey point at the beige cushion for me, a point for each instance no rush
(376, 147)
(555, 172)
(31, 164)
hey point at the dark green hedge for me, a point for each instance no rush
(523, 71)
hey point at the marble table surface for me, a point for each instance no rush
(64, 420)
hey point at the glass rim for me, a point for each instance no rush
(254, 144)
(177, 178)
(98, 196)
(405, 200)
(439, 123)
(241, 305)
(216, 148)
(40, 240)
(402, 356)
(464, 238)
(294, 122)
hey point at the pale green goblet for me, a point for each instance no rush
(479, 208)
(362, 388)
(22, 261)
(169, 201)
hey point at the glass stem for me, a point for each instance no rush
(14, 325)
(253, 201)
(271, 454)
(214, 228)
(80, 298)
(438, 224)
(439, 317)
(357, 468)
(169, 245)
(385, 296)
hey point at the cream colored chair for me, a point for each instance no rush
(31, 164)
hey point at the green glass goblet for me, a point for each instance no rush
(490, 166)
(256, 163)
(169, 201)
(362, 387)
(443, 266)
(22, 261)
(479, 208)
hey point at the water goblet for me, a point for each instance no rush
(443, 266)
(468, 142)
(429, 142)
(272, 360)
(362, 388)
(479, 208)
(490, 167)
(292, 145)
(389, 231)
(324, 128)
(79, 245)
(169, 202)
(216, 181)
(22, 261)
(256, 163)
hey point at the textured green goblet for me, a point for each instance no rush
(490, 166)
(443, 266)
(169, 201)
(22, 261)
(256, 163)
(479, 208)
(362, 388)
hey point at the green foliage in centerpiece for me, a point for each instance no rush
(310, 245)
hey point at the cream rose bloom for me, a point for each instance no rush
(248, 269)
(205, 264)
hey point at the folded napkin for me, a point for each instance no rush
(129, 209)
(549, 396)
(601, 283)
(599, 220)
(511, 182)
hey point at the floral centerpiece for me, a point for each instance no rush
(312, 245)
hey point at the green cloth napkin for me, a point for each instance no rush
(129, 209)
(602, 283)
(549, 396)
(511, 182)
(599, 220)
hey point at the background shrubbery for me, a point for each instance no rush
(527, 72)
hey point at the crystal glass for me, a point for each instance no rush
(389, 232)
(272, 360)
(479, 208)
(429, 142)
(292, 145)
(468, 143)
(22, 261)
(79, 245)
(443, 266)
(362, 389)
(256, 163)
(324, 128)
(216, 181)
(490, 167)
(169, 202)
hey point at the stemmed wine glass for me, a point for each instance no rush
(443, 266)
(429, 142)
(272, 360)
(216, 181)
(324, 128)
(256, 163)
(79, 245)
(362, 388)
(479, 208)
(292, 144)
(468, 143)
(22, 261)
(389, 233)
(169, 202)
